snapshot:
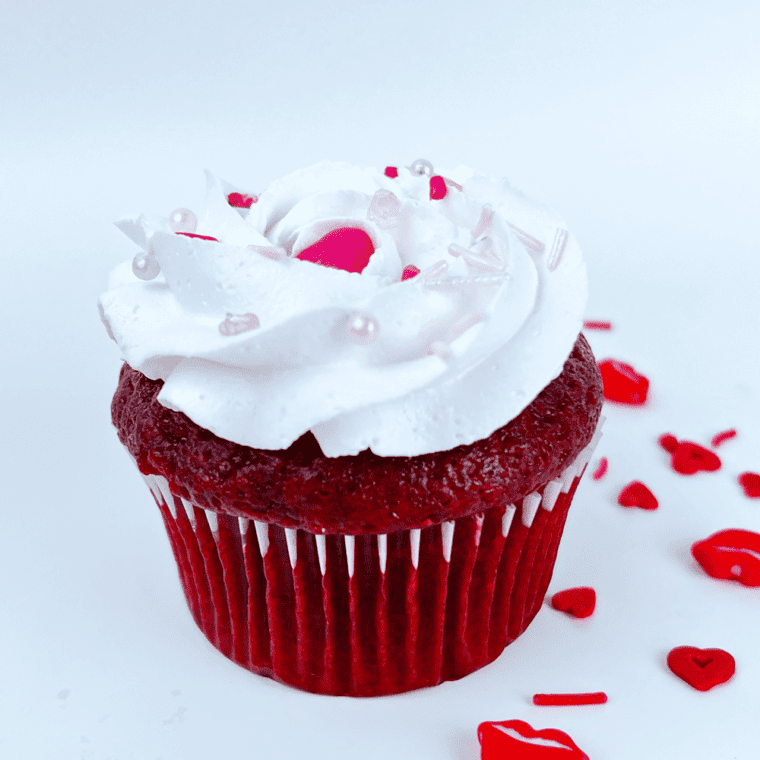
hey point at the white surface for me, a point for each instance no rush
(638, 122)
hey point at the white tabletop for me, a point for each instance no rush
(638, 122)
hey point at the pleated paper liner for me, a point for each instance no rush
(371, 614)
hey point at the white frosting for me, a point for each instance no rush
(458, 353)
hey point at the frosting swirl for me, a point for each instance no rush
(457, 301)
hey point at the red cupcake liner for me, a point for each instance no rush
(370, 614)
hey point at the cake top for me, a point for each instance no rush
(406, 311)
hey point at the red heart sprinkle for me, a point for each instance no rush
(750, 482)
(391, 171)
(516, 740)
(200, 237)
(636, 494)
(409, 272)
(238, 200)
(578, 602)
(701, 668)
(438, 188)
(726, 435)
(689, 458)
(346, 248)
(731, 554)
(622, 383)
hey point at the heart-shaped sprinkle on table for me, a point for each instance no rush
(578, 602)
(688, 457)
(622, 383)
(517, 740)
(750, 482)
(701, 668)
(346, 248)
(732, 555)
(636, 494)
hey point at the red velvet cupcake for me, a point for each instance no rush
(387, 514)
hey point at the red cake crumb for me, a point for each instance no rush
(636, 494)
(562, 700)
(750, 482)
(300, 487)
(701, 668)
(578, 602)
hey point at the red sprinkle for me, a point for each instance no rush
(726, 435)
(668, 442)
(516, 740)
(689, 458)
(561, 700)
(701, 668)
(391, 171)
(438, 188)
(600, 470)
(622, 383)
(636, 494)
(346, 248)
(750, 482)
(593, 325)
(238, 200)
(578, 602)
(200, 237)
(732, 555)
(409, 272)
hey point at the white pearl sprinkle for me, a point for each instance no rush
(363, 328)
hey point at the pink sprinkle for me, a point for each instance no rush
(435, 270)
(238, 200)
(592, 325)
(563, 700)
(234, 324)
(600, 470)
(409, 272)
(527, 240)
(391, 171)
(384, 209)
(486, 217)
(558, 248)
(438, 188)
(726, 435)
(457, 250)
(451, 183)
(199, 237)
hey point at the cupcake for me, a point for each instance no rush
(362, 403)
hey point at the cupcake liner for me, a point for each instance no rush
(368, 614)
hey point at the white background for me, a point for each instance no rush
(638, 122)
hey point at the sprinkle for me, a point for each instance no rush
(451, 183)
(527, 240)
(636, 494)
(484, 221)
(234, 324)
(363, 328)
(554, 700)
(600, 470)
(750, 482)
(384, 209)
(668, 442)
(439, 268)
(145, 266)
(688, 457)
(701, 668)
(238, 200)
(183, 220)
(592, 325)
(517, 740)
(199, 237)
(485, 258)
(578, 602)
(730, 555)
(437, 188)
(391, 171)
(558, 248)
(409, 272)
(274, 252)
(622, 383)
(421, 166)
(347, 248)
(726, 435)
